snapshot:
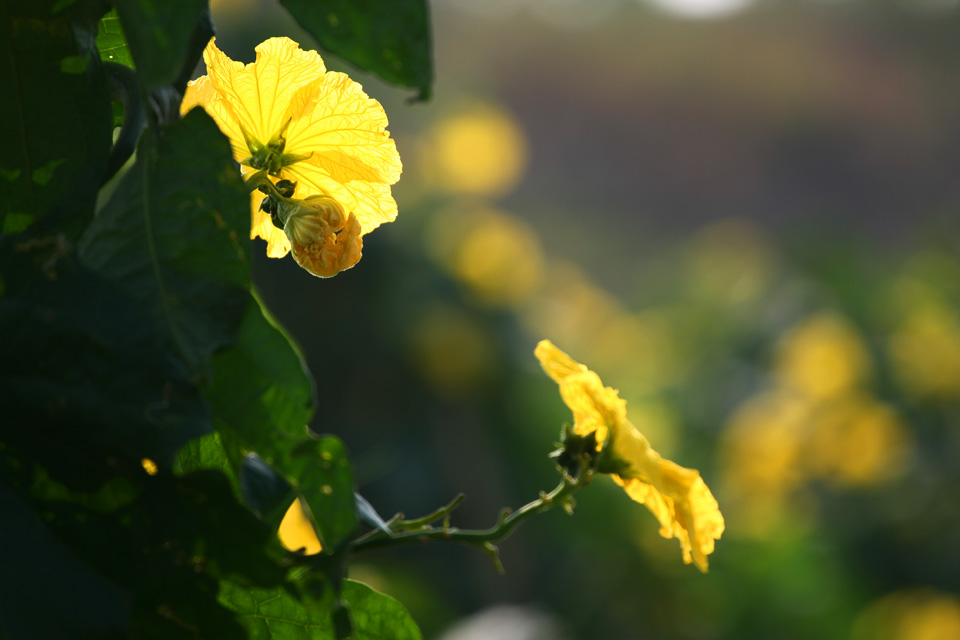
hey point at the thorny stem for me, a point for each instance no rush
(482, 538)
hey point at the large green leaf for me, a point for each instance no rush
(276, 614)
(260, 392)
(86, 383)
(174, 237)
(170, 549)
(391, 38)
(377, 616)
(55, 110)
(162, 36)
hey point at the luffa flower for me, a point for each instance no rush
(289, 117)
(677, 496)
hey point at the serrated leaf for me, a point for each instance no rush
(174, 237)
(391, 38)
(111, 42)
(276, 614)
(159, 34)
(55, 142)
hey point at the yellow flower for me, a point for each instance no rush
(288, 115)
(677, 496)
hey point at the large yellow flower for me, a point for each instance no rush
(677, 496)
(288, 115)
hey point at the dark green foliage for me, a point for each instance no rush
(56, 114)
(159, 34)
(173, 236)
(391, 38)
(276, 613)
(86, 378)
(133, 337)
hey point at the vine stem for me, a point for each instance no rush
(481, 538)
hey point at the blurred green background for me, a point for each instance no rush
(741, 214)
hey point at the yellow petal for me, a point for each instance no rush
(296, 531)
(370, 202)
(677, 496)
(259, 93)
(278, 245)
(344, 130)
(557, 364)
(201, 93)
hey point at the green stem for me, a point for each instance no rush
(482, 538)
(257, 179)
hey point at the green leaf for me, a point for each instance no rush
(111, 42)
(160, 35)
(277, 614)
(377, 616)
(55, 109)
(206, 452)
(86, 383)
(174, 237)
(267, 493)
(325, 479)
(79, 603)
(260, 393)
(391, 38)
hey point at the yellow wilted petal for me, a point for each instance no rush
(296, 531)
(557, 364)
(677, 496)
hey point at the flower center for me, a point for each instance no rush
(270, 157)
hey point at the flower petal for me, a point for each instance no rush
(201, 93)
(259, 93)
(343, 130)
(677, 496)
(278, 245)
(557, 364)
(296, 532)
(370, 202)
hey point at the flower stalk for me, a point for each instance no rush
(423, 530)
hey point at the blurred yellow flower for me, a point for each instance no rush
(677, 496)
(296, 532)
(823, 357)
(286, 114)
(480, 151)
(910, 614)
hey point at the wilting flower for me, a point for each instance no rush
(285, 114)
(324, 240)
(677, 496)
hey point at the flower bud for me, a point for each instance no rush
(324, 240)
